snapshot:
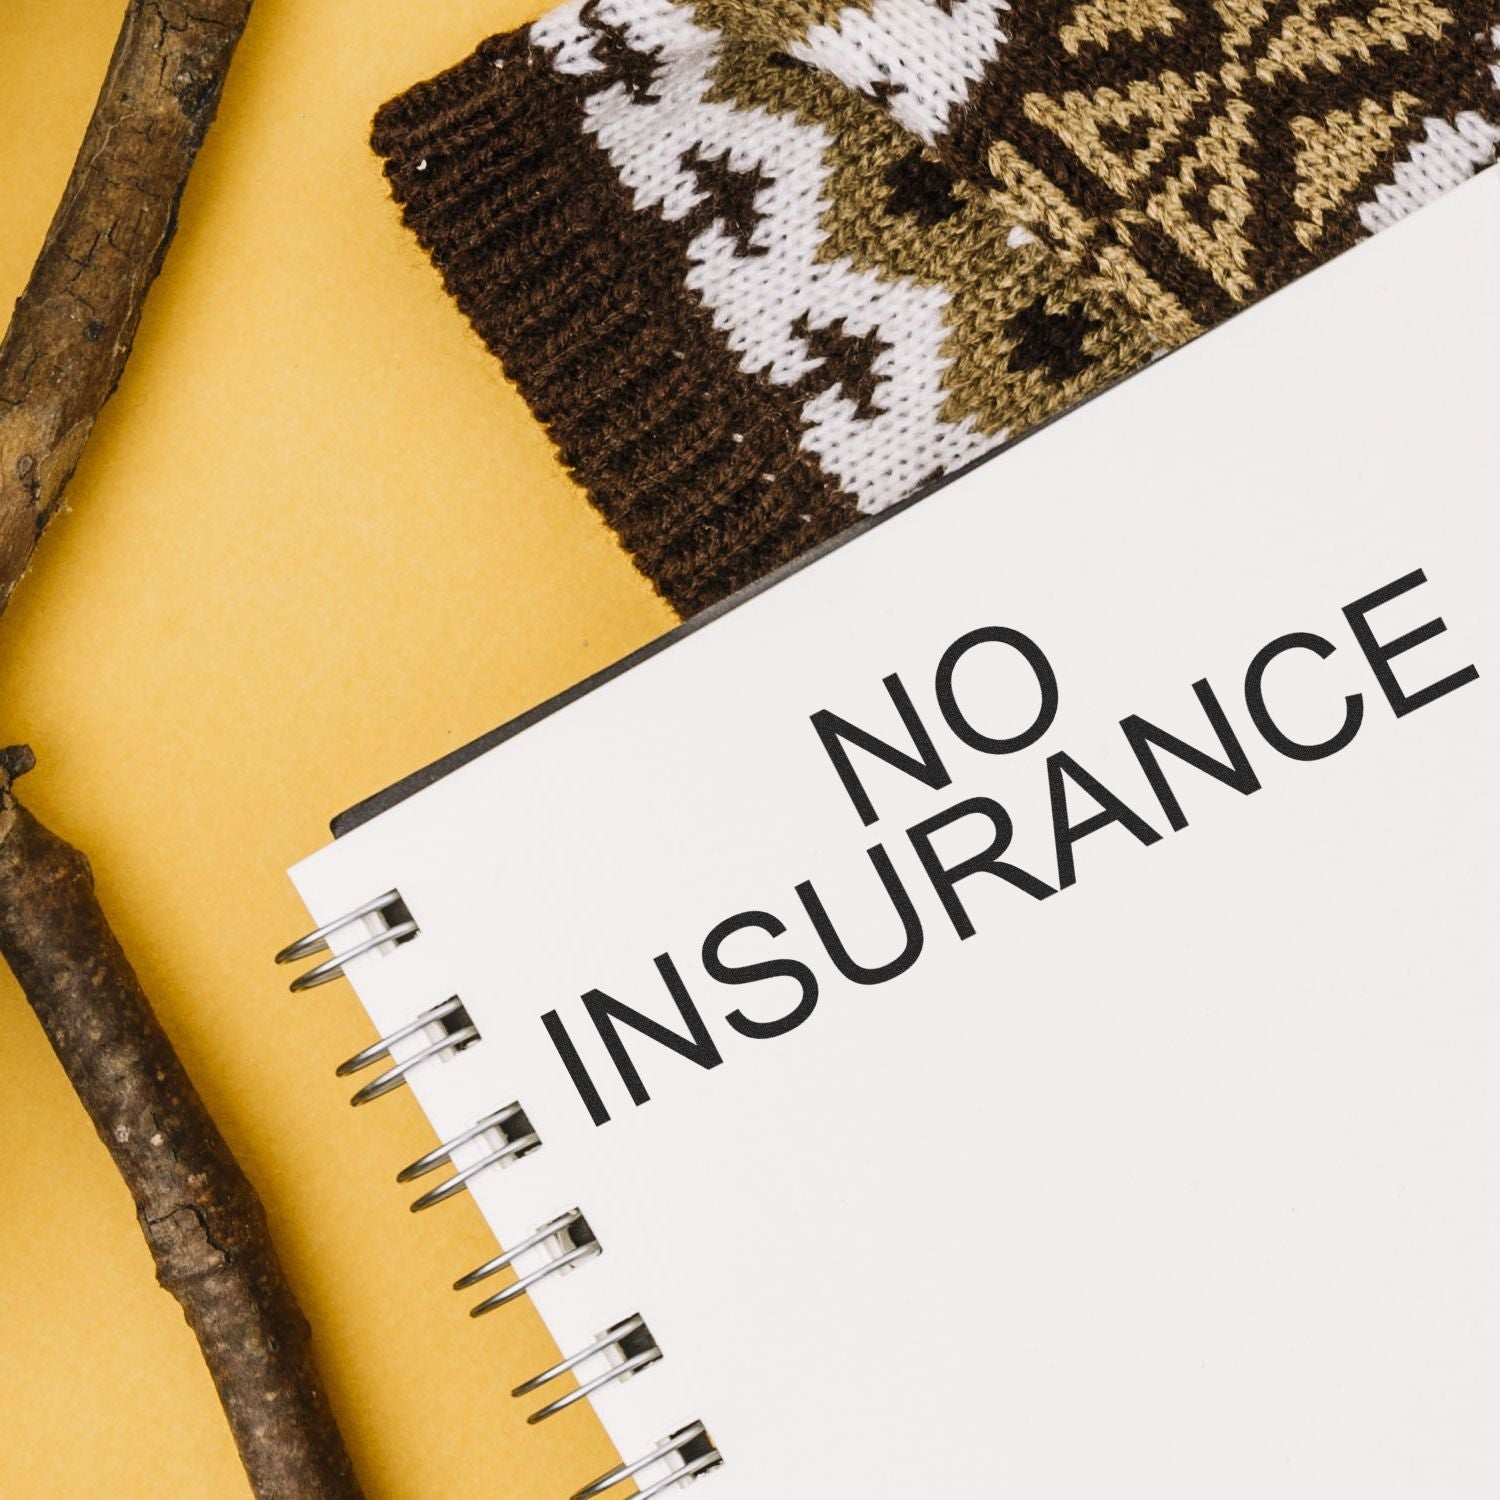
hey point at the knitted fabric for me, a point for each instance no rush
(1197, 154)
(763, 266)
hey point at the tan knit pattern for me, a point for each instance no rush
(1188, 163)
(773, 23)
(1032, 332)
(764, 266)
(1199, 153)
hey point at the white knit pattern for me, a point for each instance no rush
(1449, 154)
(925, 60)
(920, 60)
(755, 301)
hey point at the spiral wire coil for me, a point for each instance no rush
(567, 1240)
(512, 1150)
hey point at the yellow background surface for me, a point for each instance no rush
(316, 541)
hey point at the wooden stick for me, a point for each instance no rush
(201, 1218)
(74, 325)
(60, 361)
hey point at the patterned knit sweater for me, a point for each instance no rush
(764, 266)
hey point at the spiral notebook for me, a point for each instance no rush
(1011, 1007)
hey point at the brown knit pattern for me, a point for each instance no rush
(763, 266)
(692, 461)
(1198, 155)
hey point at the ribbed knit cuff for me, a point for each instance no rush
(584, 299)
(762, 266)
(747, 306)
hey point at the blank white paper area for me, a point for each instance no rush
(1185, 1182)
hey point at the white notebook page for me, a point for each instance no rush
(1184, 1181)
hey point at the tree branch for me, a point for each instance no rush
(75, 323)
(60, 361)
(201, 1218)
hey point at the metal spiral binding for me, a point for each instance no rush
(576, 1240)
(458, 1032)
(630, 1340)
(690, 1445)
(628, 1346)
(399, 931)
(513, 1149)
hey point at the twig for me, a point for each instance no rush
(59, 363)
(204, 1224)
(75, 323)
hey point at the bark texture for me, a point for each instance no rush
(201, 1218)
(59, 363)
(73, 327)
